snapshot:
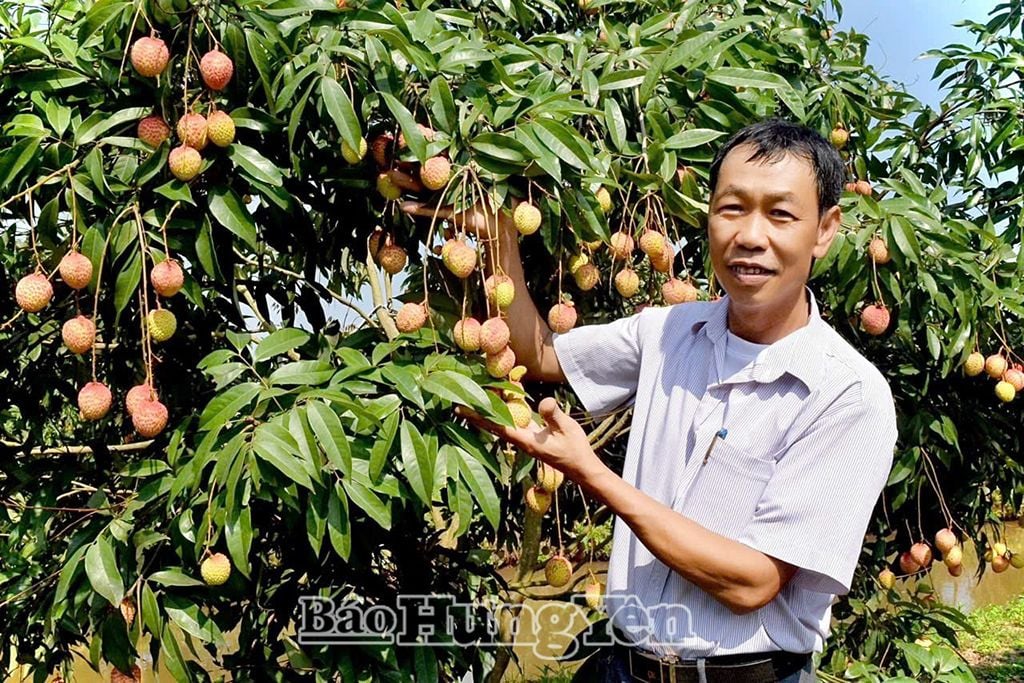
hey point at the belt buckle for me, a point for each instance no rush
(670, 662)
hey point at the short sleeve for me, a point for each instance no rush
(816, 507)
(602, 362)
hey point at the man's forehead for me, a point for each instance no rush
(786, 172)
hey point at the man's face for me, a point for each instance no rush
(764, 227)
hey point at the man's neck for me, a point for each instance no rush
(769, 326)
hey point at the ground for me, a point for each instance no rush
(997, 652)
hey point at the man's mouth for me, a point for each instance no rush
(750, 270)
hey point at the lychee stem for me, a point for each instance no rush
(99, 281)
(74, 213)
(188, 60)
(145, 294)
(163, 228)
(558, 522)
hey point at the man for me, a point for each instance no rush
(760, 439)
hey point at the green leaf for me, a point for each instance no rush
(442, 106)
(257, 166)
(479, 480)
(456, 388)
(418, 463)
(413, 137)
(101, 121)
(275, 445)
(692, 138)
(330, 436)
(339, 106)
(339, 529)
(127, 282)
(227, 405)
(238, 536)
(280, 341)
(187, 616)
(747, 78)
(227, 208)
(173, 577)
(170, 655)
(101, 568)
(503, 147)
(615, 123)
(382, 446)
(302, 373)
(369, 502)
(564, 142)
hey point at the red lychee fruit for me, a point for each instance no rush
(587, 277)
(192, 131)
(149, 56)
(1015, 378)
(922, 554)
(676, 291)
(220, 128)
(153, 130)
(33, 292)
(184, 163)
(138, 394)
(908, 565)
(149, 417)
(216, 69)
(381, 149)
(945, 539)
(79, 334)
(459, 257)
(879, 251)
(500, 364)
(864, 188)
(392, 258)
(627, 283)
(995, 365)
(494, 335)
(94, 400)
(411, 317)
(76, 270)
(500, 290)
(467, 334)
(652, 243)
(874, 319)
(167, 278)
(562, 317)
(621, 246)
(435, 172)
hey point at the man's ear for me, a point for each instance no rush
(827, 228)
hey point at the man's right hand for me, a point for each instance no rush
(479, 220)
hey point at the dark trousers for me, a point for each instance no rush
(608, 666)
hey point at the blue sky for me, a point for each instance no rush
(901, 30)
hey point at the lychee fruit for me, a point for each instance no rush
(387, 188)
(604, 200)
(392, 258)
(522, 415)
(874, 319)
(652, 243)
(94, 400)
(353, 156)
(499, 364)
(161, 324)
(459, 257)
(215, 569)
(184, 162)
(216, 69)
(79, 334)
(879, 251)
(153, 130)
(1005, 392)
(953, 556)
(425, 131)
(577, 261)
(548, 477)
(587, 277)
(138, 394)
(945, 539)
(220, 128)
(1000, 564)
(411, 317)
(526, 218)
(662, 260)
(167, 278)
(33, 292)
(974, 365)
(128, 610)
(76, 270)
(593, 592)
(676, 291)
(149, 417)
(850, 187)
(381, 149)
(1015, 377)
(562, 317)
(839, 137)
(922, 554)
(864, 188)
(467, 334)
(494, 335)
(537, 499)
(886, 578)
(193, 131)
(995, 365)
(435, 172)
(558, 571)
(908, 565)
(627, 283)
(956, 570)
(621, 246)
(149, 56)
(500, 290)
(1017, 561)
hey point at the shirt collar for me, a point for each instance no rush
(800, 353)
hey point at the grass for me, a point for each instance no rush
(996, 654)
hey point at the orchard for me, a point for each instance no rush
(231, 361)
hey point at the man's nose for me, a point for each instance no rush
(753, 232)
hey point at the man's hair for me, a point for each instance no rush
(772, 139)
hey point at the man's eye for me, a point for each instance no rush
(730, 208)
(779, 213)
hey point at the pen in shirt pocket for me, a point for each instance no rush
(720, 434)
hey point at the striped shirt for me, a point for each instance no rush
(811, 428)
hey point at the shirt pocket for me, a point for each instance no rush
(726, 489)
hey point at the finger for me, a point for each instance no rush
(405, 181)
(414, 208)
(554, 417)
(512, 435)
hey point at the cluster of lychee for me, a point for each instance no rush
(150, 56)
(1009, 378)
(395, 175)
(34, 292)
(659, 251)
(919, 557)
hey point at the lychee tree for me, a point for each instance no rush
(214, 405)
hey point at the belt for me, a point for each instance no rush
(763, 667)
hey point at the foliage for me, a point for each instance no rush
(327, 461)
